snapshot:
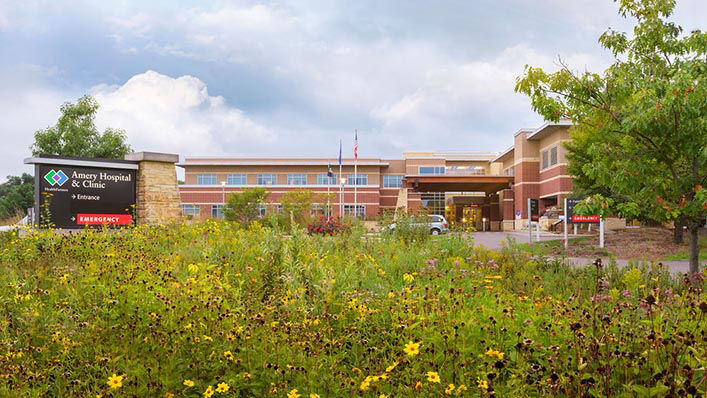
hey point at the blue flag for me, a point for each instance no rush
(339, 152)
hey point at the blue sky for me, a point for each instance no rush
(291, 78)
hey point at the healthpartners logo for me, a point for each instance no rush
(56, 178)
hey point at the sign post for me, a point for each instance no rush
(595, 218)
(76, 192)
(533, 215)
(567, 220)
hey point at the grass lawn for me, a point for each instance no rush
(685, 255)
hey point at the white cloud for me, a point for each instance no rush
(161, 113)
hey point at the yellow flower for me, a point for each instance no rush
(246, 375)
(314, 396)
(408, 278)
(496, 354)
(461, 389)
(188, 383)
(293, 394)
(391, 367)
(222, 387)
(412, 348)
(168, 395)
(483, 384)
(418, 385)
(433, 377)
(382, 396)
(115, 381)
(228, 355)
(449, 390)
(209, 392)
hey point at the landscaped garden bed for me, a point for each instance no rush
(216, 310)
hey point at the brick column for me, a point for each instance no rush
(158, 198)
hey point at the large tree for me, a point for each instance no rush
(75, 134)
(16, 195)
(642, 122)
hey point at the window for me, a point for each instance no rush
(278, 208)
(544, 164)
(296, 179)
(361, 179)
(217, 211)
(434, 170)
(323, 179)
(355, 210)
(392, 181)
(267, 179)
(553, 156)
(433, 202)
(549, 158)
(206, 179)
(261, 210)
(191, 210)
(236, 179)
(509, 171)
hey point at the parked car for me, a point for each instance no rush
(436, 224)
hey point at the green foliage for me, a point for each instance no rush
(300, 204)
(242, 207)
(75, 134)
(16, 195)
(640, 135)
(265, 313)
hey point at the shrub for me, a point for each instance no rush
(325, 226)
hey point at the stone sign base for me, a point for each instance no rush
(158, 199)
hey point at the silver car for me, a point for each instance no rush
(436, 223)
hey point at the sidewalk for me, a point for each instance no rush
(675, 267)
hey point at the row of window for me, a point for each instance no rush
(292, 179)
(217, 210)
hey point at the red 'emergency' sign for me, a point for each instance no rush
(99, 219)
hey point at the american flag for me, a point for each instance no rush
(356, 146)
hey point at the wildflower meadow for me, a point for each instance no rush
(217, 310)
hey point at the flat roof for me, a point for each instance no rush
(281, 163)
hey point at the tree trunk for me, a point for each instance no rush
(677, 231)
(694, 228)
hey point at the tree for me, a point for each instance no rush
(300, 203)
(75, 134)
(642, 122)
(242, 207)
(16, 195)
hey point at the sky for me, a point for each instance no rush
(292, 78)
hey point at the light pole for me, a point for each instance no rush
(341, 197)
(223, 195)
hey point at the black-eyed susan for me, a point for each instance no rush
(433, 377)
(209, 392)
(188, 383)
(294, 393)
(450, 389)
(412, 349)
(222, 387)
(115, 381)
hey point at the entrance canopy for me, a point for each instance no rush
(455, 183)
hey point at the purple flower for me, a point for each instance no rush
(625, 293)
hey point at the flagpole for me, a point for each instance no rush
(328, 188)
(341, 189)
(356, 176)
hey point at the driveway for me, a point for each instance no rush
(494, 240)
